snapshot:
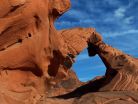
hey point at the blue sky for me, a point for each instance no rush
(115, 20)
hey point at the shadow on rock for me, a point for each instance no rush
(92, 86)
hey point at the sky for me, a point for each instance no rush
(115, 20)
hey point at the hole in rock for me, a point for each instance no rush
(87, 67)
(29, 35)
(20, 40)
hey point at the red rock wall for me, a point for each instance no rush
(32, 52)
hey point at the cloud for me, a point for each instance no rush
(123, 33)
(115, 20)
(105, 16)
(128, 20)
(120, 12)
(113, 2)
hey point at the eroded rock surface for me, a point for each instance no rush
(118, 86)
(122, 69)
(118, 97)
(36, 59)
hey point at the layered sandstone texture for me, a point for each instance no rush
(36, 59)
(122, 69)
(119, 85)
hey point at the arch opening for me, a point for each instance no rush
(87, 68)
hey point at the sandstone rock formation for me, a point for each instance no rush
(36, 59)
(118, 86)
(122, 69)
(118, 97)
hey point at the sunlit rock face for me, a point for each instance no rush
(122, 69)
(35, 58)
(119, 85)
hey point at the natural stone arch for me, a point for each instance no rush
(28, 43)
(94, 66)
